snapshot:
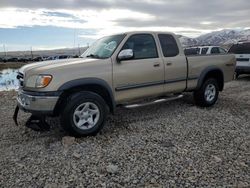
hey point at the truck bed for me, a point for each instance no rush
(196, 64)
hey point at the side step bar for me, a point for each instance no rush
(130, 106)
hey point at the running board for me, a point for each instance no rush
(130, 106)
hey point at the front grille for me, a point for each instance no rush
(242, 59)
(20, 78)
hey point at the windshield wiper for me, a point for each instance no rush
(93, 56)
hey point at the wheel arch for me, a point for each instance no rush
(211, 72)
(98, 86)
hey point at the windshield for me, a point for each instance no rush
(240, 48)
(104, 47)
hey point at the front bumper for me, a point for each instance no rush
(37, 102)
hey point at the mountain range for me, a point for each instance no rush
(223, 37)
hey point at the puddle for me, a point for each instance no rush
(8, 79)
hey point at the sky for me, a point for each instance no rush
(50, 24)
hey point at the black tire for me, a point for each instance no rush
(199, 95)
(73, 102)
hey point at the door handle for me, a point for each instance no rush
(156, 64)
(169, 63)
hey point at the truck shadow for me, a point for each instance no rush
(128, 118)
(243, 78)
(123, 119)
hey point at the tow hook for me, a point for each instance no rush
(35, 122)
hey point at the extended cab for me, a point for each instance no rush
(120, 70)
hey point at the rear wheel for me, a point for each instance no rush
(207, 95)
(85, 114)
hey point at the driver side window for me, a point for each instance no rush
(143, 46)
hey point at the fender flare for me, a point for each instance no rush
(207, 71)
(89, 81)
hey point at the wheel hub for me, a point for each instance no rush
(210, 92)
(86, 115)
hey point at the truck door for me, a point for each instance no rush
(142, 75)
(175, 64)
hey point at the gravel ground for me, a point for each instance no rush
(174, 144)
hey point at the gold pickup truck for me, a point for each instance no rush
(120, 70)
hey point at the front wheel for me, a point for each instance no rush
(207, 95)
(85, 114)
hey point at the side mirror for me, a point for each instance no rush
(125, 54)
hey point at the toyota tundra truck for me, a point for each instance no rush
(131, 69)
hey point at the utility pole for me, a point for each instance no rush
(74, 38)
(79, 51)
(5, 53)
(74, 41)
(31, 52)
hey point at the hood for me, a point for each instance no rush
(46, 65)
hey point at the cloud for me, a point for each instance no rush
(191, 17)
(16, 17)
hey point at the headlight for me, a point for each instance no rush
(43, 81)
(38, 81)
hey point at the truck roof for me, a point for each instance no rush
(203, 46)
(151, 32)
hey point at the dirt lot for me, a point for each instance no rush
(175, 144)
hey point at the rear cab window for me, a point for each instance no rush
(168, 45)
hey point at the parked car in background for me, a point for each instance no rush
(10, 59)
(49, 58)
(211, 50)
(39, 58)
(191, 51)
(62, 57)
(57, 57)
(242, 54)
(27, 59)
(23, 59)
(205, 50)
